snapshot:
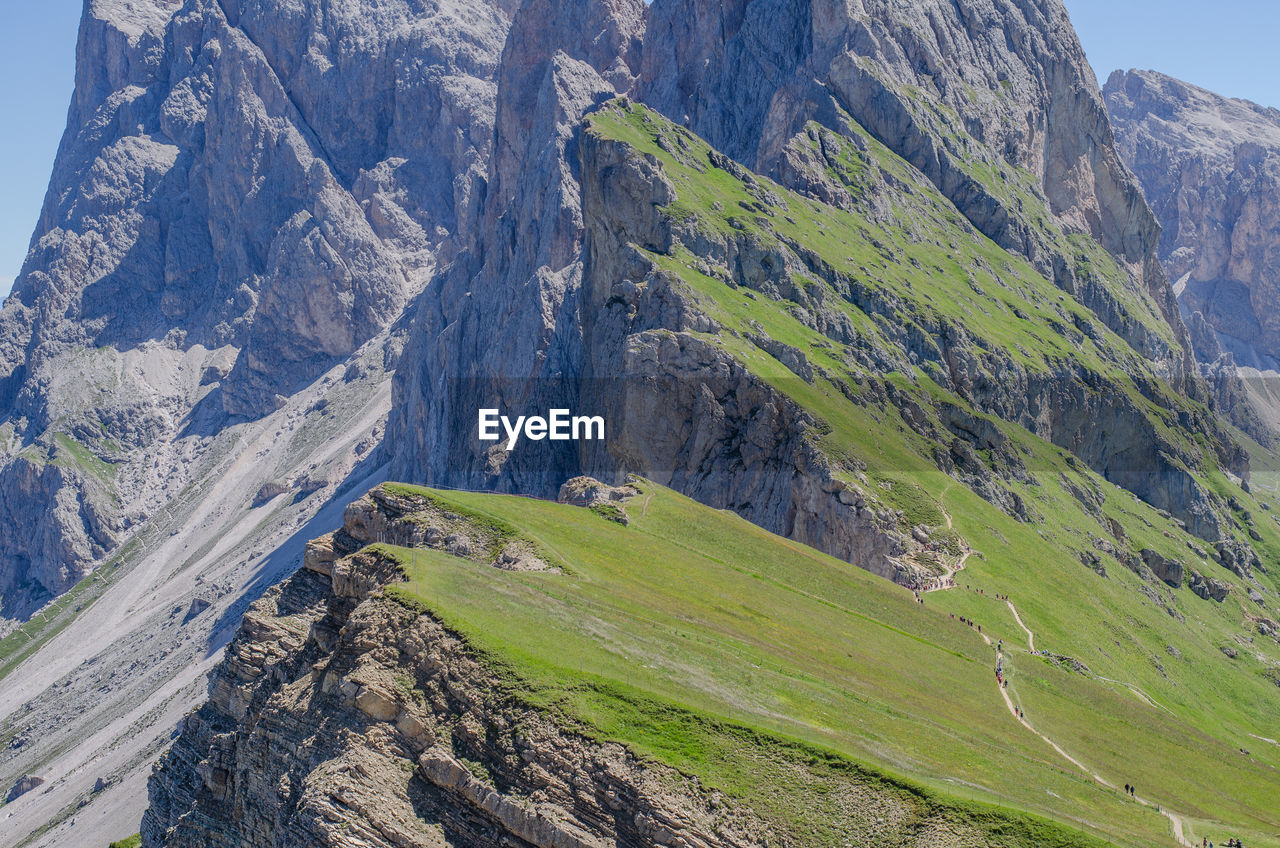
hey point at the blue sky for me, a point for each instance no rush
(1228, 46)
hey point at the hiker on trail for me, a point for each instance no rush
(1126, 789)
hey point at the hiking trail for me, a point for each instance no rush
(1174, 820)
(950, 571)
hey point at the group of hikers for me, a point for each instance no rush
(983, 592)
(933, 584)
(1230, 843)
(968, 621)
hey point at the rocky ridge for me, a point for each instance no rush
(341, 714)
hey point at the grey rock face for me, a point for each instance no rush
(1169, 570)
(22, 787)
(956, 89)
(246, 193)
(1209, 588)
(1210, 166)
(500, 329)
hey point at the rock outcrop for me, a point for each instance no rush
(1171, 571)
(229, 266)
(1209, 588)
(25, 784)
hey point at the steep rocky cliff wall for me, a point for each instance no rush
(1210, 166)
(500, 328)
(219, 233)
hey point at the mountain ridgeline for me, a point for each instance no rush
(872, 276)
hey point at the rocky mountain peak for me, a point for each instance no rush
(500, 327)
(1210, 166)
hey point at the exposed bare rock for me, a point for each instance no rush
(586, 492)
(500, 329)
(1168, 570)
(218, 234)
(608, 501)
(1209, 588)
(24, 785)
(1210, 166)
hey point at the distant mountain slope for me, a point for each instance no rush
(1210, 166)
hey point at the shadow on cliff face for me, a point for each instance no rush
(287, 557)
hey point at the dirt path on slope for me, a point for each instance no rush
(1174, 819)
(1031, 637)
(947, 582)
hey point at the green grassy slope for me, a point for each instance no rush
(1168, 691)
(702, 641)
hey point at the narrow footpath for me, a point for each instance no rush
(948, 579)
(1174, 819)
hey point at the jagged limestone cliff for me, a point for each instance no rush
(918, 275)
(1209, 166)
(217, 235)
